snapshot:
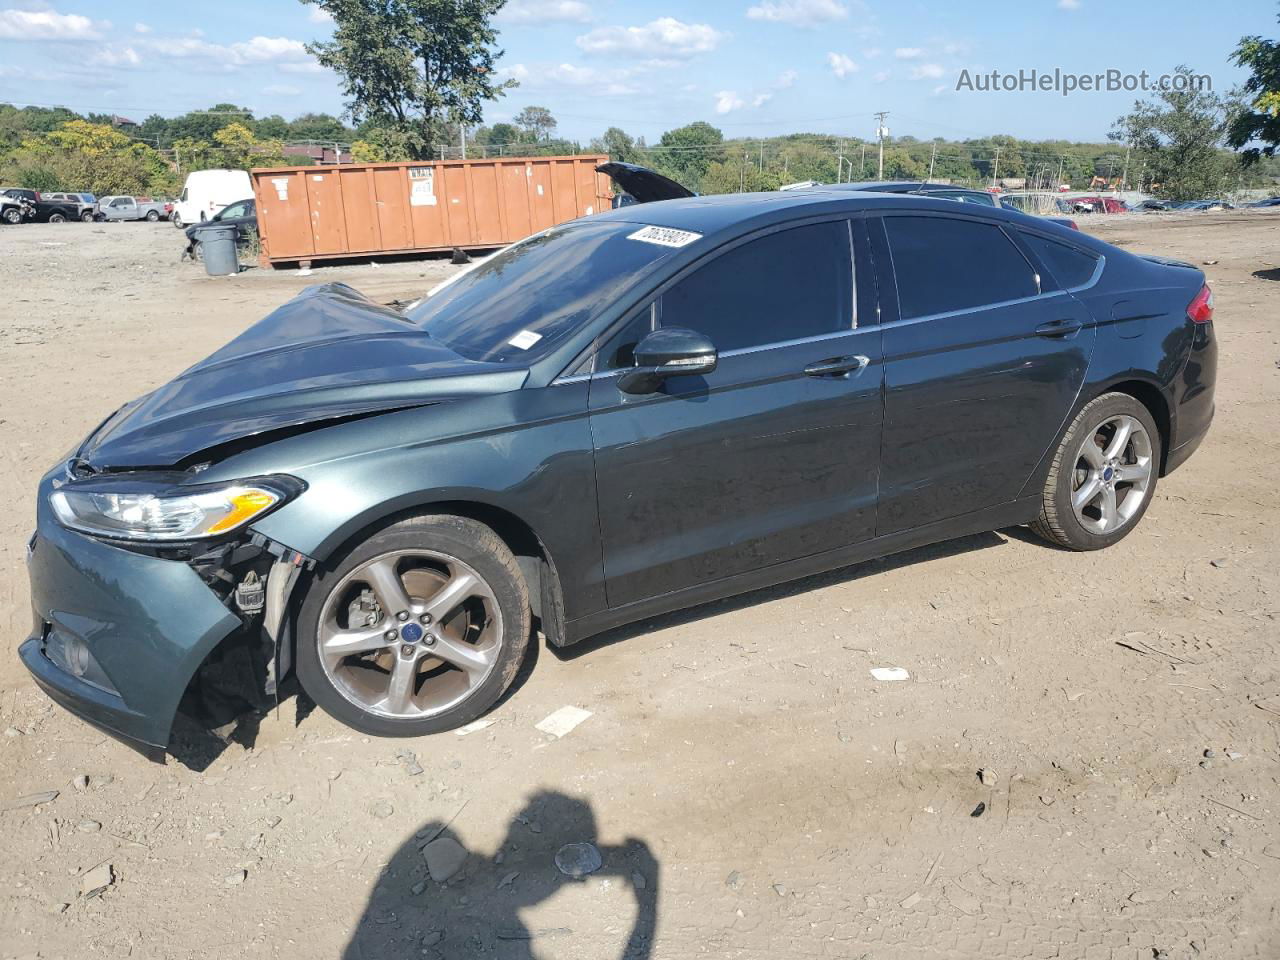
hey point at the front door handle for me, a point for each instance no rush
(1059, 329)
(836, 366)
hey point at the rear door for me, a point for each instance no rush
(769, 458)
(983, 362)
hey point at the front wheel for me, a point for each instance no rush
(57, 218)
(177, 220)
(420, 629)
(152, 216)
(1103, 475)
(86, 217)
(12, 215)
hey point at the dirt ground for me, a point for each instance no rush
(753, 791)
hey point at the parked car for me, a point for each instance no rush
(83, 204)
(623, 415)
(15, 209)
(43, 208)
(1097, 205)
(242, 215)
(1204, 206)
(1153, 205)
(132, 208)
(1266, 202)
(208, 191)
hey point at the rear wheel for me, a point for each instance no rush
(57, 218)
(152, 216)
(86, 217)
(420, 629)
(1103, 475)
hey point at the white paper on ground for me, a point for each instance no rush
(562, 721)
(475, 726)
(890, 673)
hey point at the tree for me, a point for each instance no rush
(84, 156)
(618, 145)
(1179, 136)
(317, 126)
(537, 123)
(738, 175)
(1260, 119)
(410, 65)
(686, 153)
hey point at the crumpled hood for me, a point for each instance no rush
(329, 352)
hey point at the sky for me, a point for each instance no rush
(751, 67)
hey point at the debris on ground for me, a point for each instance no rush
(95, 880)
(33, 800)
(562, 721)
(890, 674)
(578, 859)
(445, 857)
(382, 809)
(988, 777)
(475, 726)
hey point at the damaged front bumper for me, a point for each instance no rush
(120, 633)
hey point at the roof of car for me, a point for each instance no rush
(712, 214)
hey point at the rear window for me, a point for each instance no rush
(1070, 266)
(516, 305)
(943, 264)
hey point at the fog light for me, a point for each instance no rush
(72, 655)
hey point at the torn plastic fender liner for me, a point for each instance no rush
(281, 579)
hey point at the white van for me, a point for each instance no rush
(208, 191)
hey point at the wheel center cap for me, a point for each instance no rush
(411, 632)
(1108, 474)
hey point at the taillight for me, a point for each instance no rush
(1200, 310)
(1073, 225)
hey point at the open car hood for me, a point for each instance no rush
(328, 353)
(642, 183)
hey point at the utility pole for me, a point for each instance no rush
(840, 163)
(1124, 177)
(932, 157)
(862, 164)
(881, 132)
(742, 173)
(462, 134)
(1058, 186)
(995, 168)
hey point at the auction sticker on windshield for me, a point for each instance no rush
(525, 339)
(665, 236)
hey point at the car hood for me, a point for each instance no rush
(646, 185)
(328, 353)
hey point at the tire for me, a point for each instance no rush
(86, 217)
(177, 220)
(57, 218)
(197, 252)
(13, 216)
(152, 216)
(1087, 502)
(453, 667)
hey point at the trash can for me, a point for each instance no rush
(218, 245)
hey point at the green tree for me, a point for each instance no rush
(274, 127)
(203, 124)
(410, 65)
(618, 144)
(316, 126)
(536, 123)
(84, 156)
(686, 153)
(1178, 136)
(738, 175)
(1260, 119)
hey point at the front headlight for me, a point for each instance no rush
(129, 510)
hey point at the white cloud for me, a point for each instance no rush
(664, 37)
(115, 57)
(907, 53)
(320, 16)
(141, 28)
(1069, 4)
(760, 99)
(282, 90)
(881, 76)
(939, 89)
(871, 53)
(546, 11)
(841, 65)
(930, 71)
(608, 83)
(307, 66)
(786, 78)
(262, 49)
(800, 13)
(290, 55)
(727, 100)
(47, 25)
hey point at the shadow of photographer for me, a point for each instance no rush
(473, 903)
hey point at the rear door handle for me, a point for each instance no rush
(836, 366)
(1059, 328)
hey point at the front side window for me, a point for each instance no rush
(944, 264)
(514, 306)
(232, 212)
(789, 285)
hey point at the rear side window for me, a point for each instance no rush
(944, 264)
(1070, 265)
(789, 285)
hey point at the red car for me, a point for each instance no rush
(1097, 205)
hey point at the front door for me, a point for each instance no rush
(771, 457)
(983, 363)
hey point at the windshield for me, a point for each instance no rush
(514, 306)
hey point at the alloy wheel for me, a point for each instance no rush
(1112, 474)
(409, 634)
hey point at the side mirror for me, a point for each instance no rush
(670, 352)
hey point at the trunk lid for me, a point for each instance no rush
(647, 186)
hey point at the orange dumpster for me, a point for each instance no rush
(367, 209)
